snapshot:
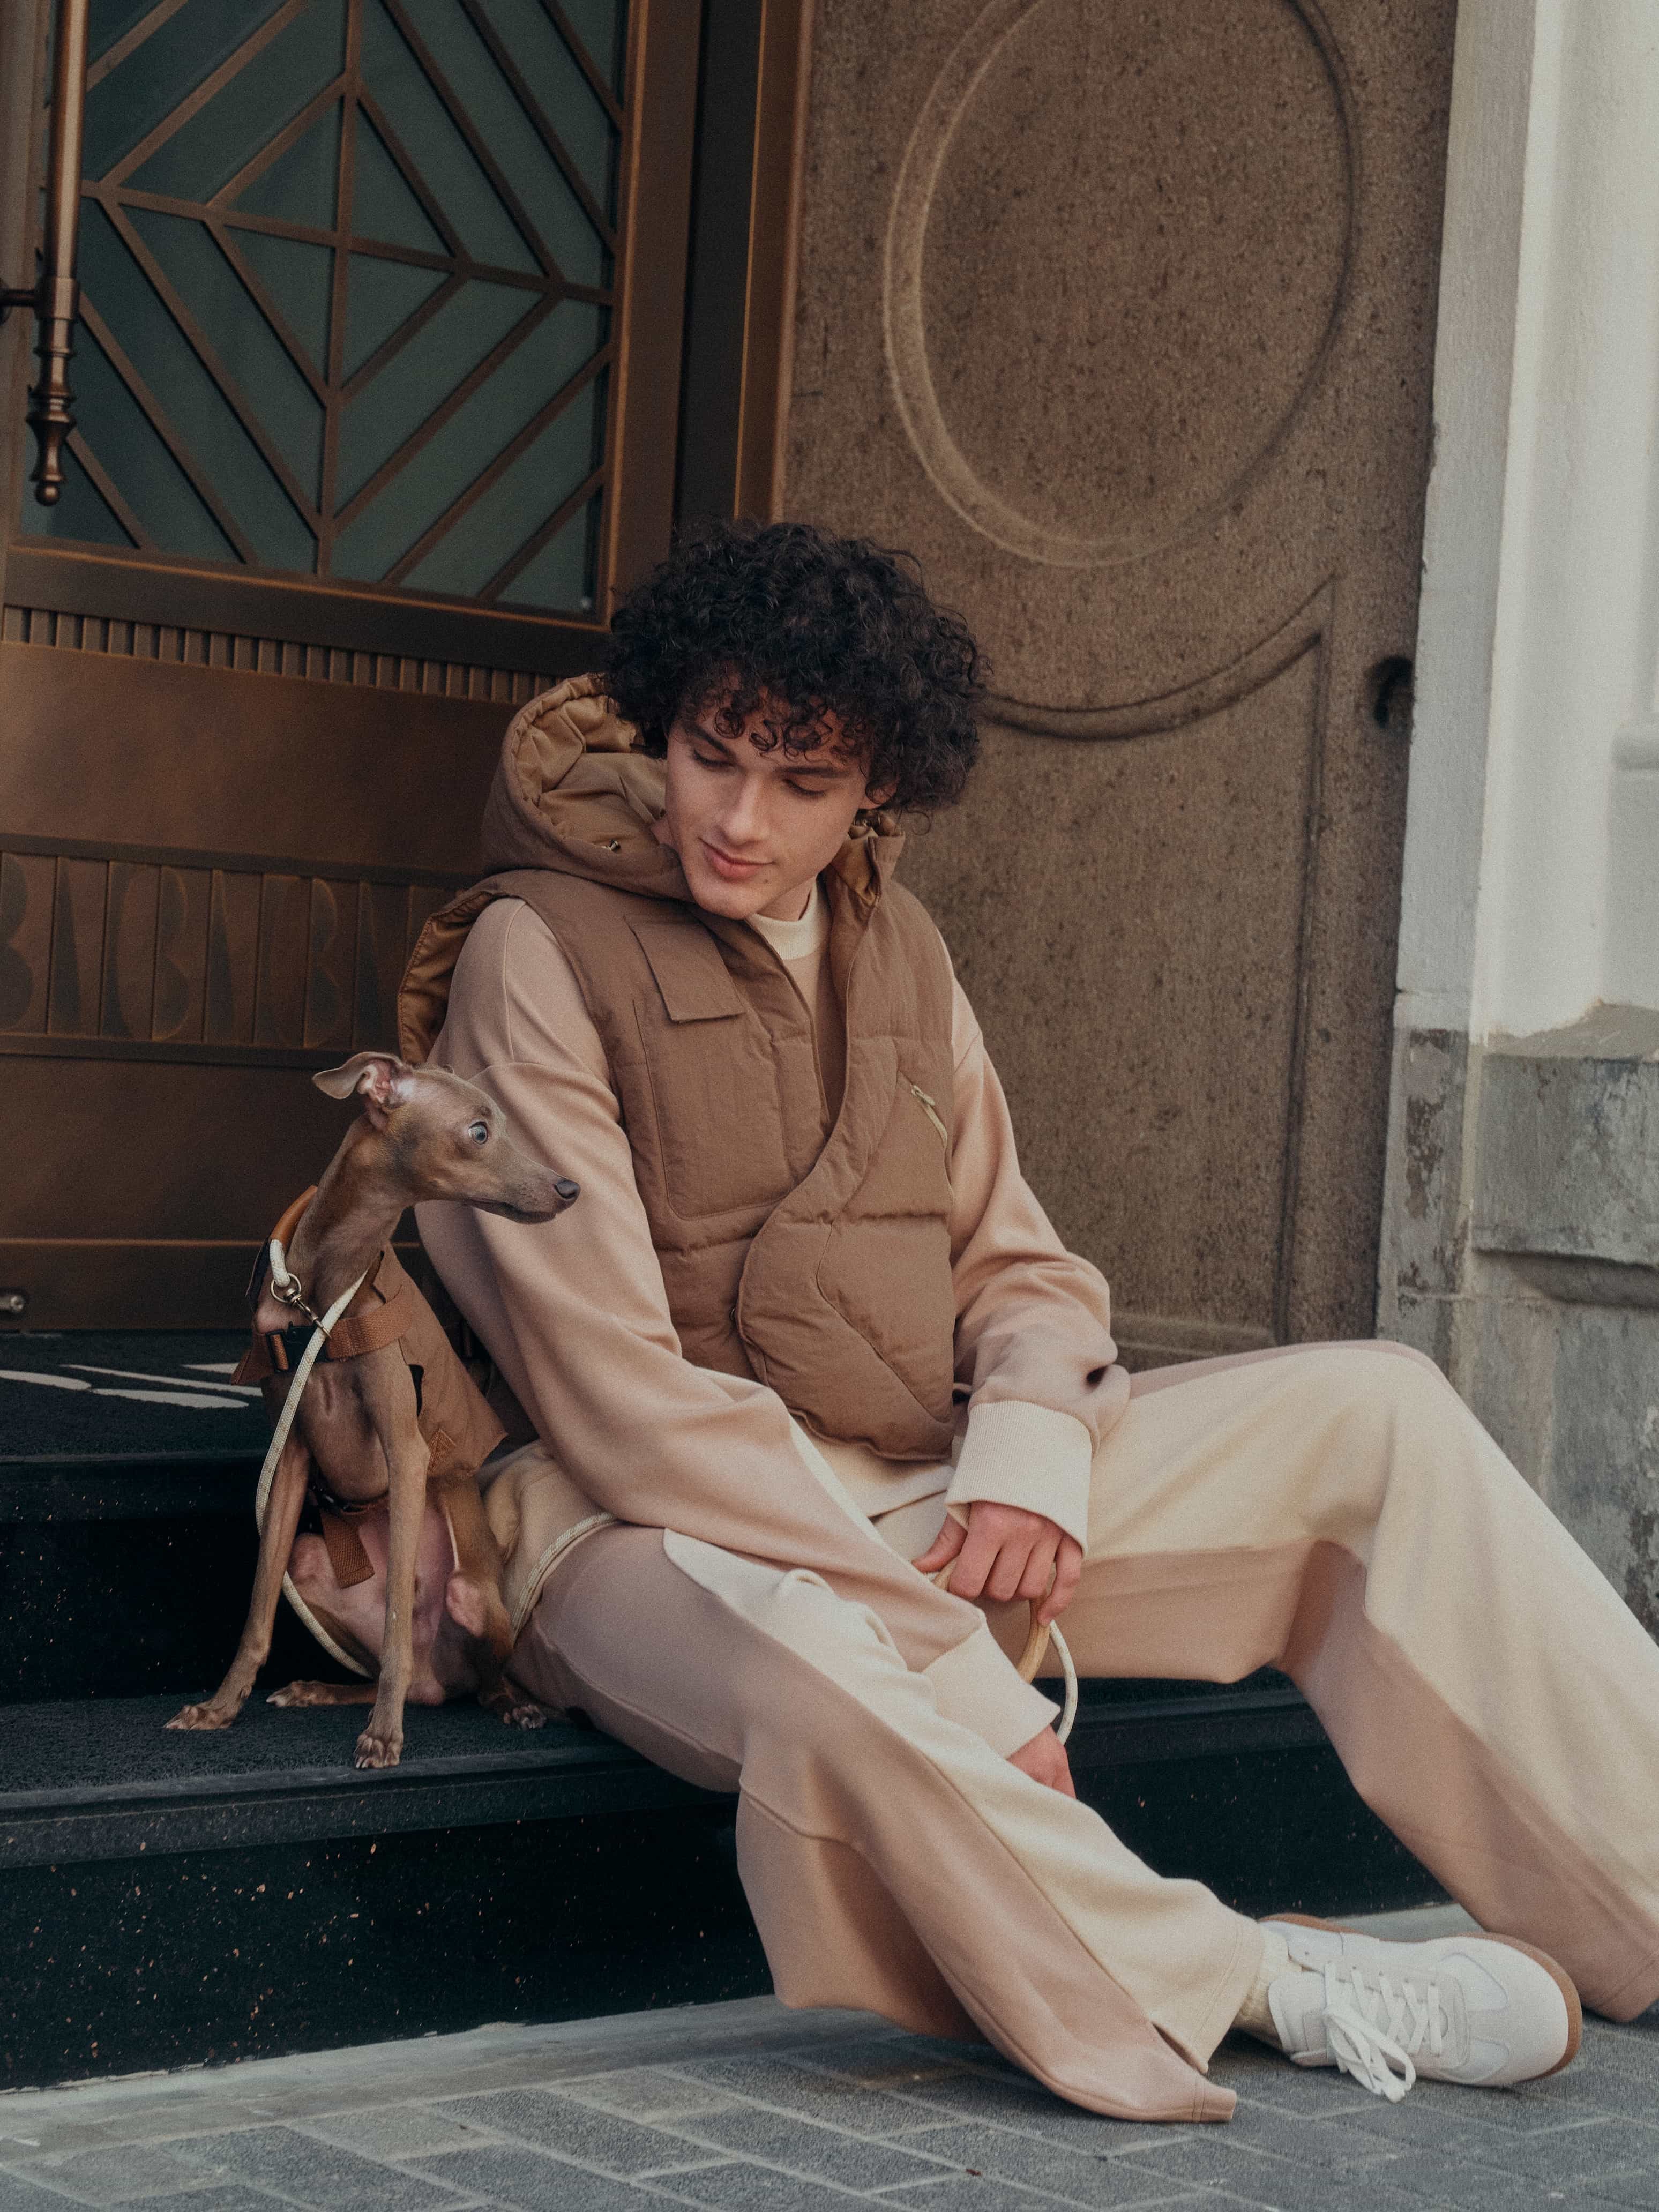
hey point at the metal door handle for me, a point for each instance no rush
(56, 299)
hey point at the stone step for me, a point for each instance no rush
(170, 1899)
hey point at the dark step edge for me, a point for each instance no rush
(56, 1486)
(561, 1779)
(117, 1463)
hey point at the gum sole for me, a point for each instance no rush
(1569, 1996)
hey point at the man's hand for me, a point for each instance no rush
(1006, 1552)
(1044, 1759)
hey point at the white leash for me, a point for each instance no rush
(1037, 1645)
(288, 1289)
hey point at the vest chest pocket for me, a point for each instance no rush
(713, 1086)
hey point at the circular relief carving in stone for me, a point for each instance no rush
(1116, 262)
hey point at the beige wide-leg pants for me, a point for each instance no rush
(1337, 1512)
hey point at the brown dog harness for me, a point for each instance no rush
(457, 1426)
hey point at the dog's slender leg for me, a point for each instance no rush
(479, 1565)
(287, 1489)
(389, 1394)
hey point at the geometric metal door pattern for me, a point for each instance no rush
(349, 272)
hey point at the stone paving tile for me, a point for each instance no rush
(1581, 2152)
(1529, 2110)
(295, 2165)
(1461, 2130)
(1437, 2180)
(646, 2093)
(1001, 2155)
(219, 2197)
(1031, 2110)
(114, 2174)
(585, 2132)
(1254, 2073)
(1332, 2146)
(1631, 2096)
(969, 2195)
(391, 2131)
(760, 2189)
(842, 2104)
(1257, 2177)
(894, 2062)
(820, 2153)
(19, 2195)
(1638, 2185)
(515, 2174)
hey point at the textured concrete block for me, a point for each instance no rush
(647, 2092)
(295, 2165)
(1578, 2155)
(1249, 2177)
(116, 2175)
(18, 2194)
(758, 2189)
(217, 2196)
(1569, 1141)
(392, 2132)
(815, 2096)
(824, 2154)
(560, 2124)
(898, 2063)
(1029, 2109)
(515, 2174)
(1002, 2154)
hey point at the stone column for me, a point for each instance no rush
(1521, 1244)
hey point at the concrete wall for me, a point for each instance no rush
(1522, 1219)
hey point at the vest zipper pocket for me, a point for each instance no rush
(932, 1112)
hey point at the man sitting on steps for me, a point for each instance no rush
(808, 1325)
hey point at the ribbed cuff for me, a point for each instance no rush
(977, 1683)
(1018, 1453)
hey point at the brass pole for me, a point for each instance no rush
(56, 298)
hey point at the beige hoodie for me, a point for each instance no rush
(574, 1311)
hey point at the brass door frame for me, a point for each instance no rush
(745, 231)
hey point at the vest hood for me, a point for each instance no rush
(575, 793)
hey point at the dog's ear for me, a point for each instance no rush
(381, 1077)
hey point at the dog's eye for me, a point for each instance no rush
(479, 1132)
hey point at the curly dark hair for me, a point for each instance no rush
(784, 616)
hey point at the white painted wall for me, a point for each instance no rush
(1533, 833)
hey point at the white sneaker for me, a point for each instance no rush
(1478, 2009)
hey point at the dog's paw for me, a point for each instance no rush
(303, 1693)
(509, 1702)
(374, 1750)
(203, 1717)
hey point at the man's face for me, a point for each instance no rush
(754, 828)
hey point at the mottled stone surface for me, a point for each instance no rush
(1522, 1253)
(746, 2105)
(1120, 318)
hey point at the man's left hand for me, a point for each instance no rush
(1006, 1552)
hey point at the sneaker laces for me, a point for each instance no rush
(1373, 2026)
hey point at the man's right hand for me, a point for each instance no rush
(1044, 1759)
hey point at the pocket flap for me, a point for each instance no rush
(689, 972)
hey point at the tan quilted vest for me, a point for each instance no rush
(817, 1260)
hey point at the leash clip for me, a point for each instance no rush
(288, 1289)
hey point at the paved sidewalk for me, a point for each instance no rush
(746, 2106)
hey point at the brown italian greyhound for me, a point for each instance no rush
(374, 1419)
